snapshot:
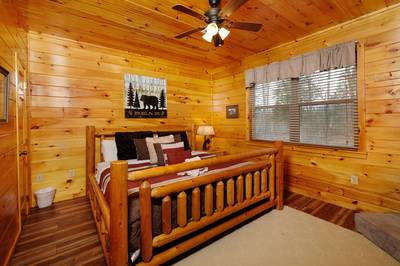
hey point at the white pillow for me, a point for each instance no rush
(150, 145)
(109, 150)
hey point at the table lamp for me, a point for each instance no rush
(206, 131)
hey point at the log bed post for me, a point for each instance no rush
(146, 228)
(119, 213)
(279, 162)
(90, 155)
(193, 137)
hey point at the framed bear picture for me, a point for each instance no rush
(145, 97)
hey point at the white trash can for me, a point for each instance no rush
(45, 196)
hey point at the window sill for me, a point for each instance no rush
(317, 150)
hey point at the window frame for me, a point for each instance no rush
(360, 101)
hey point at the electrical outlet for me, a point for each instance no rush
(71, 173)
(354, 179)
(39, 178)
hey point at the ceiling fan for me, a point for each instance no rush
(218, 26)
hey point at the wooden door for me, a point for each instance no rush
(22, 141)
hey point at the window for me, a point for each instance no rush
(320, 109)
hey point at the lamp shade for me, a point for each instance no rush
(205, 130)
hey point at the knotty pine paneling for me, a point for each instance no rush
(75, 84)
(325, 173)
(12, 41)
(148, 27)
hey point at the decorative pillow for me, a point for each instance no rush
(182, 134)
(125, 144)
(150, 145)
(161, 148)
(141, 149)
(172, 146)
(177, 156)
(177, 138)
(160, 154)
(109, 150)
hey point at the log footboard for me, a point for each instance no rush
(218, 202)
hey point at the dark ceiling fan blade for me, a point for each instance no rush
(245, 26)
(187, 33)
(231, 7)
(189, 11)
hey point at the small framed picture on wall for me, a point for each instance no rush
(232, 111)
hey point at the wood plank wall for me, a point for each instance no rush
(325, 173)
(74, 84)
(12, 40)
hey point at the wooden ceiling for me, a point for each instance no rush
(148, 27)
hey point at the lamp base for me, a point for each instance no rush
(206, 143)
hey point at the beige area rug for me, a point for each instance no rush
(290, 238)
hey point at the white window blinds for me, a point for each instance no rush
(319, 108)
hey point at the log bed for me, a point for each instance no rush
(229, 198)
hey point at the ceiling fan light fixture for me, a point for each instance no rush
(208, 37)
(223, 33)
(218, 25)
(212, 29)
(218, 42)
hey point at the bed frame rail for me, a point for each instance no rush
(230, 197)
(249, 190)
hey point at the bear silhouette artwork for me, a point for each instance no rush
(150, 101)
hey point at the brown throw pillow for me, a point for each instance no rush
(150, 145)
(160, 154)
(177, 138)
(141, 149)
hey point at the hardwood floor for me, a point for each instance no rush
(65, 234)
(323, 210)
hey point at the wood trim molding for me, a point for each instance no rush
(362, 144)
(11, 251)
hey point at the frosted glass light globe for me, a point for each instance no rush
(223, 33)
(212, 28)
